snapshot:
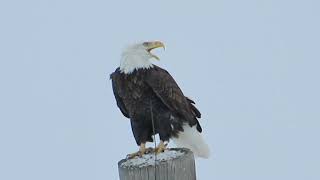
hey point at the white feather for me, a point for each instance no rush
(135, 57)
(192, 139)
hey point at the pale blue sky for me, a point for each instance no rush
(252, 66)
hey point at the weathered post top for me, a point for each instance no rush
(173, 164)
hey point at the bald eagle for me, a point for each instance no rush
(154, 103)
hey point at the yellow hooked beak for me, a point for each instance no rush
(153, 45)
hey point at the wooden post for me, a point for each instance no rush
(173, 164)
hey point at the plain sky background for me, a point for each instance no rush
(252, 66)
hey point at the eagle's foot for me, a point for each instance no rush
(136, 154)
(160, 148)
(143, 150)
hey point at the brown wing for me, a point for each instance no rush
(193, 107)
(165, 87)
(115, 78)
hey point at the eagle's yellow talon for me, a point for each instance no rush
(160, 148)
(132, 155)
(143, 150)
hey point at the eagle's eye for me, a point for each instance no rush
(146, 44)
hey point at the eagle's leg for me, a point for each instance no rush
(161, 147)
(142, 150)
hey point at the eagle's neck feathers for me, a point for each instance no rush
(130, 62)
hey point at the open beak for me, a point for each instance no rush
(153, 45)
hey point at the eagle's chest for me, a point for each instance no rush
(136, 95)
(134, 88)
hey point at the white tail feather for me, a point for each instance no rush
(190, 138)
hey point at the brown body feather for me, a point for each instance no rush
(136, 92)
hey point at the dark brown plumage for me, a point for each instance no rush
(136, 92)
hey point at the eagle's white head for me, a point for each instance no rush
(138, 56)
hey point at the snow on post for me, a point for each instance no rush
(173, 164)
